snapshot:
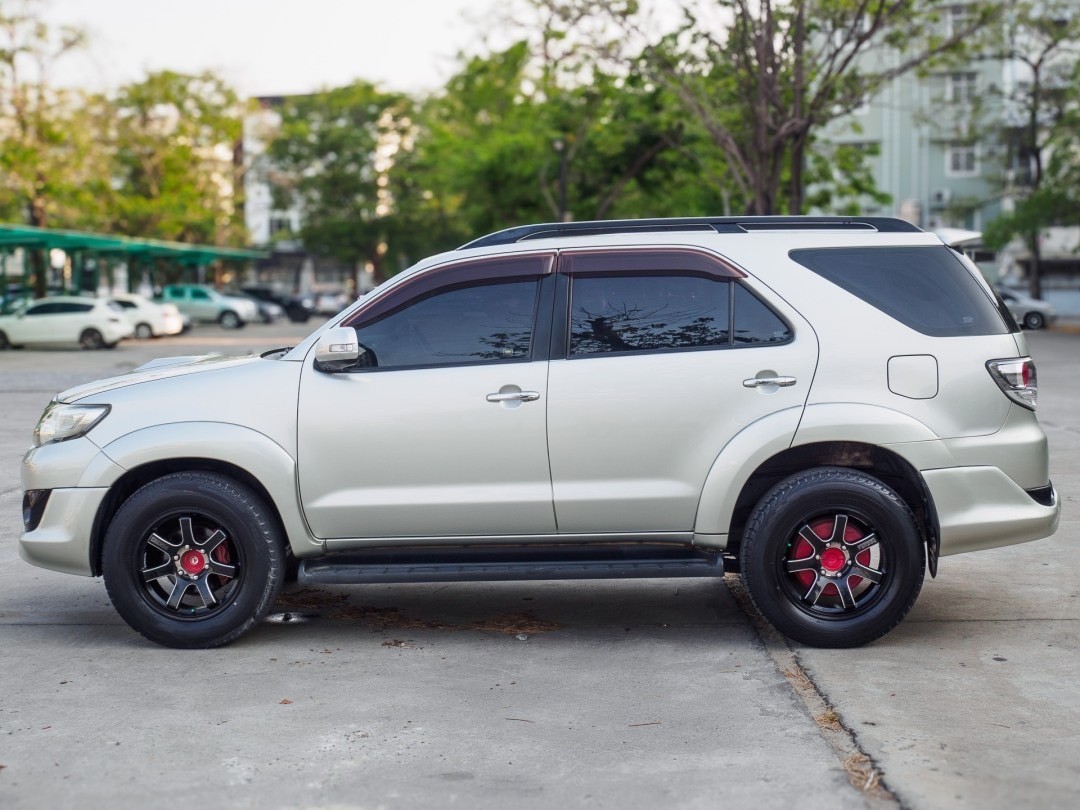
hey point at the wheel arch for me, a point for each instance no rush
(133, 480)
(884, 464)
(201, 447)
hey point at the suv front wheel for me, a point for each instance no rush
(193, 559)
(832, 557)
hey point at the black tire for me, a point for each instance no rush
(91, 339)
(193, 560)
(4, 342)
(143, 331)
(298, 314)
(806, 544)
(230, 320)
(1034, 320)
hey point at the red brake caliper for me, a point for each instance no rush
(221, 554)
(831, 559)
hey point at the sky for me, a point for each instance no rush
(273, 47)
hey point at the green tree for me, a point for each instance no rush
(761, 76)
(519, 136)
(331, 156)
(46, 154)
(1043, 37)
(172, 138)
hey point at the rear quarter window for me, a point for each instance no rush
(925, 288)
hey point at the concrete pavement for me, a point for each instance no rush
(609, 694)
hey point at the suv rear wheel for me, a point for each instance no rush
(193, 560)
(832, 557)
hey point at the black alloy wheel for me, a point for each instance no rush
(193, 560)
(832, 557)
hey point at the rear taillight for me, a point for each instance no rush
(1016, 377)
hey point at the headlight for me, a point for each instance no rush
(60, 422)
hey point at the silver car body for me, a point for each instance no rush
(202, 303)
(1031, 313)
(643, 446)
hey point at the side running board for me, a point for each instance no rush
(504, 564)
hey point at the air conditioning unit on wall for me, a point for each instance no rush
(940, 196)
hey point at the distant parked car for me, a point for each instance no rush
(268, 310)
(92, 323)
(331, 303)
(298, 308)
(150, 319)
(207, 305)
(1031, 313)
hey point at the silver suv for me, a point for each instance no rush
(825, 405)
(206, 305)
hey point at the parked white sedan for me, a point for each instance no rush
(92, 323)
(148, 318)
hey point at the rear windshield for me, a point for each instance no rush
(925, 288)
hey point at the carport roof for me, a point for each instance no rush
(27, 236)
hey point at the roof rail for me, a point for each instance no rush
(715, 224)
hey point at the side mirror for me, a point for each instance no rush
(337, 349)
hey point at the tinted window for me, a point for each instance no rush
(200, 295)
(476, 322)
(123, 304)
(630, 313)
(755, 323)
(42, 309)
(925, 288)
(75, 307)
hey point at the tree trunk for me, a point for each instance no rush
(798, 143)
(38, 259)
(1034, 269)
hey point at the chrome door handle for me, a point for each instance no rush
(756, 382)
(511, 396)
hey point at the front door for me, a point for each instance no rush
(440, 430)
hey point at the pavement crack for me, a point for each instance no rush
(862, 771)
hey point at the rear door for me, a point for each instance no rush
(665, 356)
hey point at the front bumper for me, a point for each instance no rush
(76, 476)
(61, 540)
(981, 507)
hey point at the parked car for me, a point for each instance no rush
(150, 319)
(92, 323)
(298, 308)
(206, 305)
(1031, 313)
(825, 405)
(269, 312)
(329, 303)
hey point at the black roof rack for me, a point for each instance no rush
(716, 224)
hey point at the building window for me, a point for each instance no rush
(280, 226)
(957, 18)
(961, 159)
(961, 87)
